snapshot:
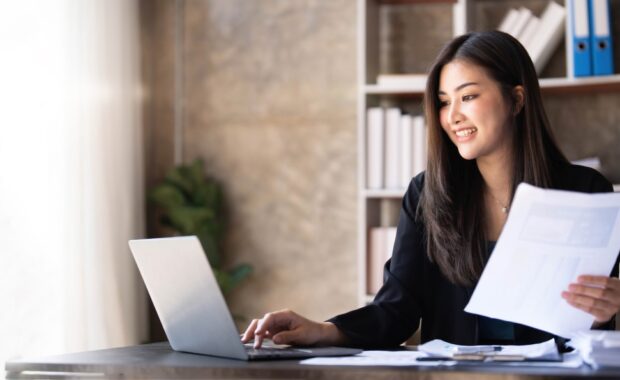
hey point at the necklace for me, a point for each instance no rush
(505, 208)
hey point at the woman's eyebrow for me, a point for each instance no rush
(459, 87)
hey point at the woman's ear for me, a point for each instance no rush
(518, 96)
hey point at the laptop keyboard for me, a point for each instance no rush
(272, 352)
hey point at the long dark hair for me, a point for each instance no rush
(452, 198)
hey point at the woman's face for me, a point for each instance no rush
(473, 111)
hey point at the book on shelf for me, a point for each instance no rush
(392, 148)
(406, 150)
(395, 148)
(408, 81)
(419, 145)
(374, 148)
(380, 245)
(548, 35)
(540, 36)
(509, 20)
(522, 20)
(529, 32)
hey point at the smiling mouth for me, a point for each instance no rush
(465, 132)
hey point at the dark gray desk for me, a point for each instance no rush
(159, 361)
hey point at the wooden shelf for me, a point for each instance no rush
(556, 86)
(559, 86)
(416, 1)
(384, 193)
(375, 89)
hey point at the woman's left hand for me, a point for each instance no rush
(597, 295)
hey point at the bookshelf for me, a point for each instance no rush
(379, 21)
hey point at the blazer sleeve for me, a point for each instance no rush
(394, 314)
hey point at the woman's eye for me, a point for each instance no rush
(468, 97)
(443, 103)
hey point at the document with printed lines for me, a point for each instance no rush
(550, 238)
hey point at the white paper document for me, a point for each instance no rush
(550, 238)
(379, 358)
(598, 348)
(540, 351)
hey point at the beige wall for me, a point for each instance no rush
(269, 102)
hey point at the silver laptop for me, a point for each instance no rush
(191, 307)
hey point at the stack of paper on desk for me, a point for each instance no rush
(440, 353)
(598, 348)
(546, 351)
(550, 238)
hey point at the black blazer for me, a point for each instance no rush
(414, 289)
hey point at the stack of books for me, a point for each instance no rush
(598, 348)
(381, 238)
(395, 148)
(540, 36)
(589, 38)
(380, 245)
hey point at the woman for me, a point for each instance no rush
(487, 133)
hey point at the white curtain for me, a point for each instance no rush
(71, 176)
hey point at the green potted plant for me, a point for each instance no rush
(191, 204)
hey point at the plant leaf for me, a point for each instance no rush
(195, 172)
(167, 196)
(238, 274)
(188, 219)
(178, 177)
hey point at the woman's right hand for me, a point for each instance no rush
(288, 327)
